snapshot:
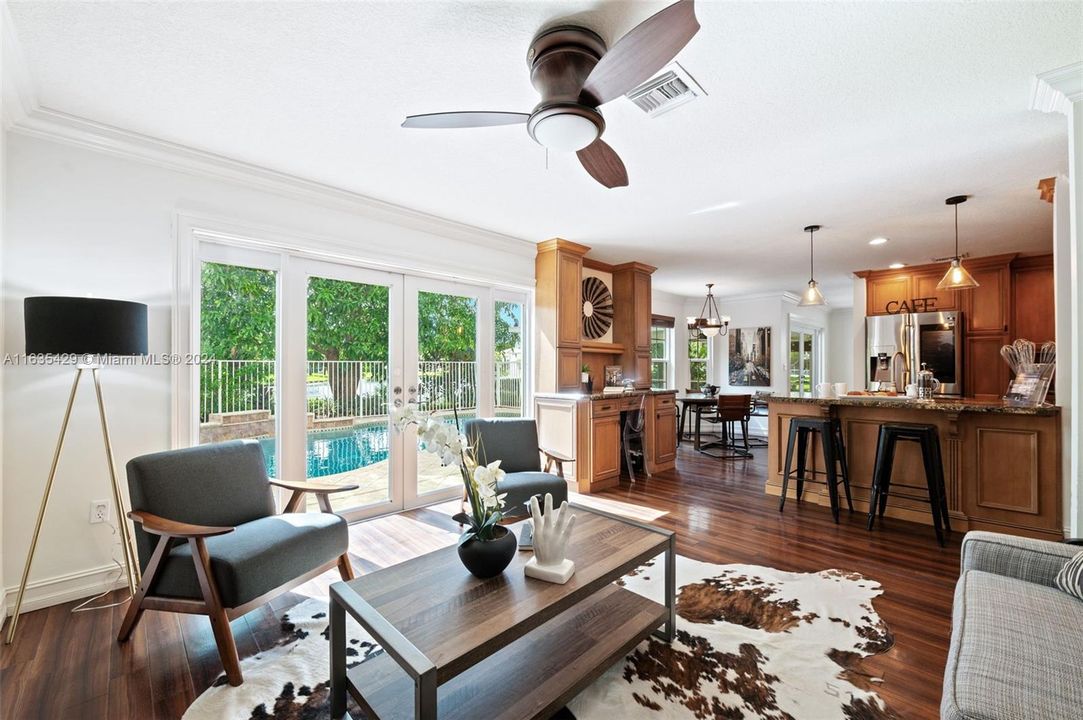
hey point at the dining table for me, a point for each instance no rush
(696, 403)
(693, 403)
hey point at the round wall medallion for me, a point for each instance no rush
(597, 308)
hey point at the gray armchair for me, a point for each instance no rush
(514, 442)
(221, 550)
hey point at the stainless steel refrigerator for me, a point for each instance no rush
(897, 345)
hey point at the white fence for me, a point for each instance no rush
(353, 388)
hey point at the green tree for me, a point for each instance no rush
(447, 327)
(237, 313)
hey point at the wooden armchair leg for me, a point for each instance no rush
(135, 606)
(345, 569)
(223, 634)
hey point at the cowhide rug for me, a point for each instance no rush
(752, 642)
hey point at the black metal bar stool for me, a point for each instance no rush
(834, 452)
(928, 437)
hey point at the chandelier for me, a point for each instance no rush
(710, 322)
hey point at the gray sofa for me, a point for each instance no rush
(1017, 641)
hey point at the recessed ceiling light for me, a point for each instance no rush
(896, 266)
(878, 241)
(716, 208)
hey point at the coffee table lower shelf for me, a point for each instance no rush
(532, 677)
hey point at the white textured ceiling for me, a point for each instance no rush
(861, 117)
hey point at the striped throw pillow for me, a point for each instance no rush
(1070, 577)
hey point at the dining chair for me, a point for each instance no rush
(731, 410)
(632, 438)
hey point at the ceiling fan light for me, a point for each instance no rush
(565, 132)
(957, 278)
(812, 296)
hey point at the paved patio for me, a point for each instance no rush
(373, 482)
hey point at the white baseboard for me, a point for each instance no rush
(64, 588)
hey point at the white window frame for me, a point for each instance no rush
(708, 362)
(667, 356)
(803, 326)
(200, 239)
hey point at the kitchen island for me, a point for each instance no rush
(1002, 463)
(587, 427)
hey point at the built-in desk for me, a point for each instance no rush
(1002, 464)
(588, 428)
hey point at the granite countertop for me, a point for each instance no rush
(600, 395)
(940, 405)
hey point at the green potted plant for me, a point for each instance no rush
(486, 548)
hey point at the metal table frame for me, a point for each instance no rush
(420, 668)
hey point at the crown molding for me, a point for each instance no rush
(1057, 90)
(16, 88)
(57, 126)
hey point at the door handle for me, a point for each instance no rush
(411, 389)
(398, 402)
(397, 390)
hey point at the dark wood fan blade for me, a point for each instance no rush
(642, 52)
(603, 164)
(464, 119)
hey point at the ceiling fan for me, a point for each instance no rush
(575, 73)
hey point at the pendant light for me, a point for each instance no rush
(811, 296)
(956, 278)
(710, 322)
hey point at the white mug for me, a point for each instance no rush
(912, 390)
(841, 389)
(825, 390)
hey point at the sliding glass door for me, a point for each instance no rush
(308, 357)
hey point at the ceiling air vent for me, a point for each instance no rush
(669, 89)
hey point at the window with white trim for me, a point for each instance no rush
(699, 359)
(661, 357)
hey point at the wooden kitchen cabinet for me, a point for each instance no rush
(604, 451)
(1033, 316)
(665, 432)
(987, 375)
(986, 307)
(924, 286)
(558, 271)
(569, 369)
(881, 290)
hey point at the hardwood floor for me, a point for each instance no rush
(70, 665)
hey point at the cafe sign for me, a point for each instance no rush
(913, 305)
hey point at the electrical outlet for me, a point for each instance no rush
(99, 511)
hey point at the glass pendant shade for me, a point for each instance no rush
(812, 296)
(957, 278)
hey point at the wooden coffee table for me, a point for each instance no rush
(510, 647)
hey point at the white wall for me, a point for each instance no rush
(3, 217)
(840, 348)
(82, 222)
(774, 310)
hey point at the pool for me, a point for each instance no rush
(330, 452)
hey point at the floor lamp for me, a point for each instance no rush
(86, 329)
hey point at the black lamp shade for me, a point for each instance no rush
(79, 326)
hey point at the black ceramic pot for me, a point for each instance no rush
(488, 558)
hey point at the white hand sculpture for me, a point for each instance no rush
(551, 533)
